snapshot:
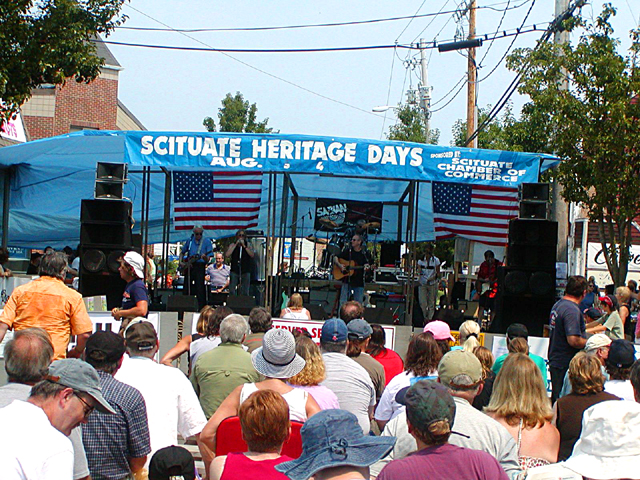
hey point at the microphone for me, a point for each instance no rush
(310, 216)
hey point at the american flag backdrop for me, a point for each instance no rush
(477, 212)
(216, 200)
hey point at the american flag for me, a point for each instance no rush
(477, 212)
(216, 200)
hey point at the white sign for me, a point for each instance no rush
(313, 327)
(596, 261)
(13, 130)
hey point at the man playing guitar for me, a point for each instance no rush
(193, 259)
(352, 263)
(487, 284)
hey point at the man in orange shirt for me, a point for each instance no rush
(48, 303)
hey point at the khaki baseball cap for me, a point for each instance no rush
(460, 368)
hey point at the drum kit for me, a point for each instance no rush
(335, 242)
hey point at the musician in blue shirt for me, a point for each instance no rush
(193, 260)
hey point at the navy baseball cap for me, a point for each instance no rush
(334, 330)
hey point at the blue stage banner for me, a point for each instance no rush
(329, 155)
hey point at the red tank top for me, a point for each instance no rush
(239, 467)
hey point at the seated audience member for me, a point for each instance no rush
(623, 296)
(172, 463)
(206, 338)
(220, 370)
(277, 361)
(610, 323)
(4, 258)
(295, 309)
(264, 419)
(622, 354)
(587, 389)
(423, 356)
(349, 381)
(172, 405)
(441, 333)
(34, 263)
(359, 333)
(350, 310)
(469, 332)
(519, 402)
(26, 360)
(461, 373)
(117, 445)
(313, 374)
(488, 377)
(517, 330)
(597, 346)
(259, 323)
(334, 447)
(390, 360)
(608, 447)
(430, 415)
(35, 432)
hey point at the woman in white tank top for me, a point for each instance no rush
(295, 310)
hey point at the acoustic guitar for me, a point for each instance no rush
(349, 266)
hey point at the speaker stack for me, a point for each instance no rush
(527, 284)
(105, 235)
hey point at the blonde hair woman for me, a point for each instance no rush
(469, 332)
(295, 309)
(488, 377)
(520, 403)
(312, 374)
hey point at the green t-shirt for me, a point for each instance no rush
(538, 360)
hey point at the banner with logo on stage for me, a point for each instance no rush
(338, 215)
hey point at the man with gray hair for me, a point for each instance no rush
(461, 373)
(26, 360)
(48, 303)
(193, 260)
(172, 405)
(219, 371)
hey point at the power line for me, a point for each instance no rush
(464, 77)
(432, 20)
(412, 18)
(497, 30)
(462, 84)
(301, 26)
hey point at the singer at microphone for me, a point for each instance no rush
(241, 255)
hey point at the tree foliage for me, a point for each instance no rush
(49, 42)
(237, 115)
(411, 125)
(594, 125)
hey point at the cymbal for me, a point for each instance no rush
(327, 222)
(314, 239)
(369, 225)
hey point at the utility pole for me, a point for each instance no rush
(472, 75)
(560, 208)
(425, 92)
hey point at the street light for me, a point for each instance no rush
(384, 108)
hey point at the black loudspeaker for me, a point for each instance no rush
(453, 318)
(105, 236)
(532, 243)
(241, 304)
(110, 180)
(182, 303)
(534, 210)
(534, 191)
(382, 315)
(389, 253)
(317, 311)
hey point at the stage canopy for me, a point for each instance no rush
(50, 177)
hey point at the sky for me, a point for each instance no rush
(321, 93)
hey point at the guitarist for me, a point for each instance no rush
(354, 282)
(194, 258)
(487, 285)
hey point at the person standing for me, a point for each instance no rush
(241, 255)
(567, 332)
(429, 275)
(135, 300)
(194, 258)
(46, 302)
(353, 280)
(217, 274)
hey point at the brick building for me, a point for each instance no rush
(57, 110)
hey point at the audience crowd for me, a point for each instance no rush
(263, 402)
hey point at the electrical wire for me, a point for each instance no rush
(384, 120)
(462, 79)
(432, 20)
(450, 100)
(492, 41)
(412, 18)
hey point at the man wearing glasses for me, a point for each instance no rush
(241, 255)
(194, 258)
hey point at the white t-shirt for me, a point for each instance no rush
(32, 448)
(428, 270)
(301, 315)
(387, 406)
(296, 399)
(172, 405)
(620, 388)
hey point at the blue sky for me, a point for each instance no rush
(175, 90)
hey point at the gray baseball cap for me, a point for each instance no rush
(81, 377)
(359, 328)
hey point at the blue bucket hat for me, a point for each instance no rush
(334, 438)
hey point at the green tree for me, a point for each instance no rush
(49, 42)
(594, 125)
(237, 115)
(411, 125)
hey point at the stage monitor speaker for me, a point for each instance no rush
(382, 316)
(532, 244)
(534, 191)
(389, 253)
(317, 311)
(241, 304)
(182, 303)
(531, 209)
(453, 318)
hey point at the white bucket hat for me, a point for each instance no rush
(609, 445)
(277, 358)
